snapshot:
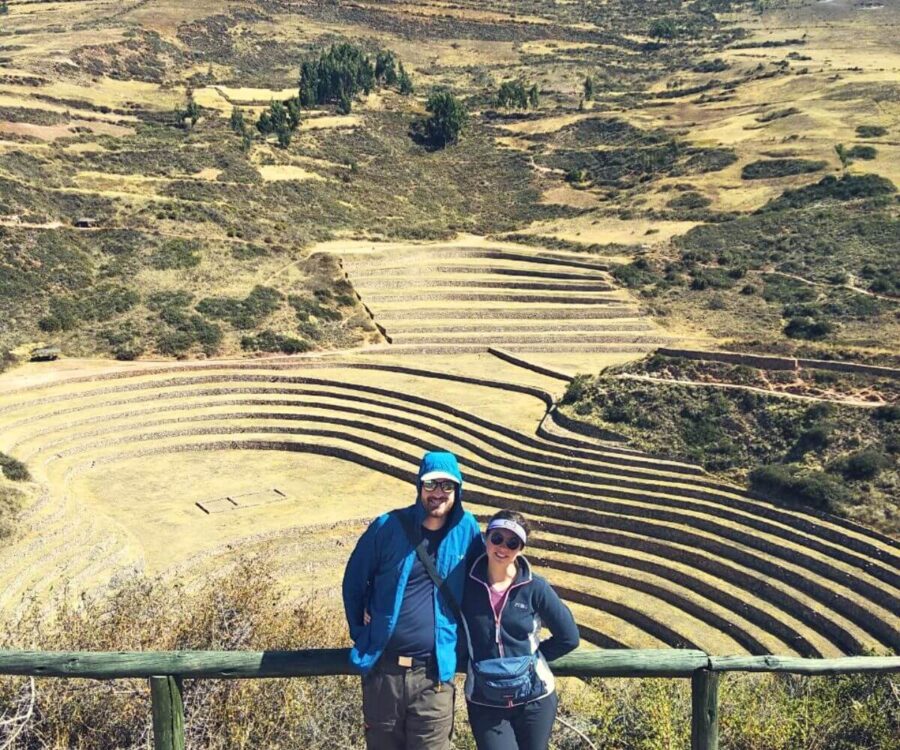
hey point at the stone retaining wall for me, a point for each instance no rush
(768, 362)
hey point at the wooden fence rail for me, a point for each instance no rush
(167, 669)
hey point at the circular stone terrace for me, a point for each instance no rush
(179, 468)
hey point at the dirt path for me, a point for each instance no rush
(754, 389)
(819, 284)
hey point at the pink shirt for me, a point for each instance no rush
(498, 598)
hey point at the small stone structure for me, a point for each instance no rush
(45, 354)
(236, 502)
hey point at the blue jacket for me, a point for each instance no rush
(530, 605)
(379, 566)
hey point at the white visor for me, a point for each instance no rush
(428, 476)
(509, 525)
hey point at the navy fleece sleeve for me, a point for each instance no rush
(357, 578)
(557, 617)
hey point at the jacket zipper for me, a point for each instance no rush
(497, 617)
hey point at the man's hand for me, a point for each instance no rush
(367, 618)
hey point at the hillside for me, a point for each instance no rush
(685, 135)
(271, 294)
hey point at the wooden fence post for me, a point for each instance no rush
(705, 710)
(168, 713)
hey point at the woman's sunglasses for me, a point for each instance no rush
(445, 484)
(512, 542)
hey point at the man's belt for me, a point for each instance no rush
(407, 661)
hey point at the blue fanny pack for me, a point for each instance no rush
(506, 681)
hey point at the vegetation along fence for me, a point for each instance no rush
(167, 669)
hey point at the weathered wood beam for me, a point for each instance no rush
(705, 710)
(168, 713)
(843, 665)
(250, 664)
(314, 662)
(194, 664)
(650, 662)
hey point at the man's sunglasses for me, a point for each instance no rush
(445, 484)
(512, 542)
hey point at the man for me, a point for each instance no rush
(403, 629)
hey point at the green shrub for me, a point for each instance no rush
(101, 303)
(794, 484)
(863, 464)
(870, 131)
(305, 307)
(243, 313)
(14, 469)
(887, 413)
(64, 315)
(269, 341)
(807, 327)
(174, 342)
(169, 299)
(815, 438)
(577, 390)
(124, 342)
(770, 168)
(862, 152)
(638, 273)
(844, 188)
(183, 330)
(176, 254)
(711, 278)
(689, 201)
(107, 301)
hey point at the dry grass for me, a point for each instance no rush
(246, 609)
(276, 172)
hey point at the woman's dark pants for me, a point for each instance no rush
(525, 727)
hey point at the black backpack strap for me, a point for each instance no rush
(419, 543)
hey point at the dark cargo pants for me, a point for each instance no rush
(407, 708)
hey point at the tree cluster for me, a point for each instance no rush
(662, 28)
(281, 118)
(190, 113)
(344, 70)
(588, 88)
(513, 94)
(448, 118)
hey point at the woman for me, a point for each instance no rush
(509, 687)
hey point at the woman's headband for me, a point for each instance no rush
(509, 525)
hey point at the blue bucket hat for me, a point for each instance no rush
(440, 465)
